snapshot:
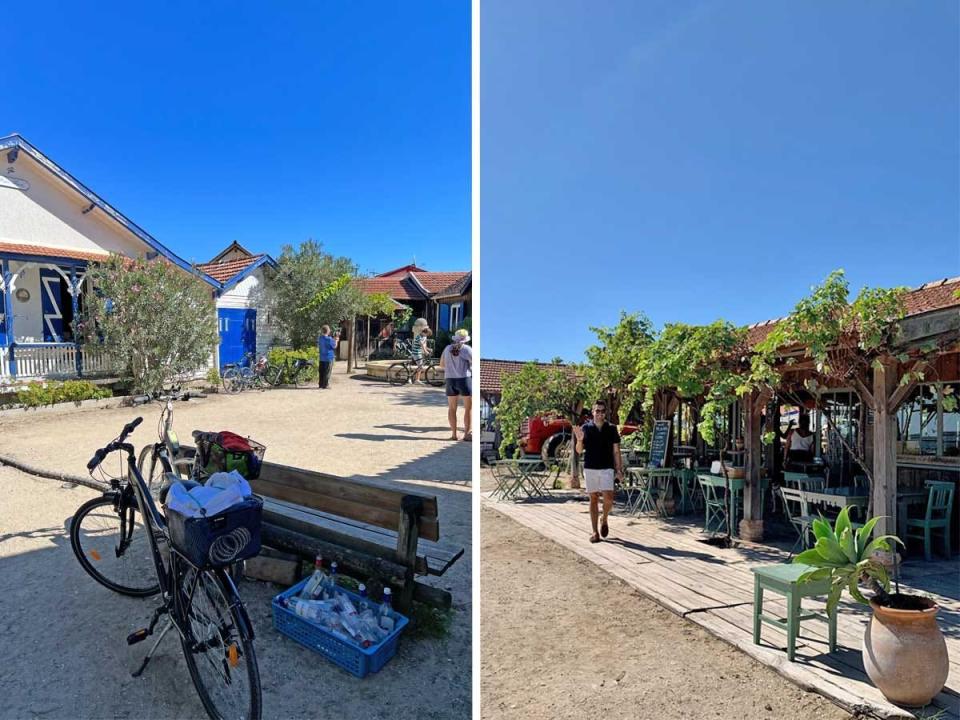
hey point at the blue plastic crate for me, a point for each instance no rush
(354, 659)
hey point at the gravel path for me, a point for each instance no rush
(561, 638)
(63, 635)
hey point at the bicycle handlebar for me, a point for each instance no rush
(114, 445)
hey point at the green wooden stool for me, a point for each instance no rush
(782, 578)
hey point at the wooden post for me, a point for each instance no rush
(353, 329)
(773, 425)
(407, 537)
(885, 448)
(751, 526)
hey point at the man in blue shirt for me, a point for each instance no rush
(326, 345)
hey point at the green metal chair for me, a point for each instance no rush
(660, 488)
(798, 513)
(784, 579)
(716, 511)
(802, 481)
(939, 512)
(688, 490)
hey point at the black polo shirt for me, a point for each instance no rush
(598, 445)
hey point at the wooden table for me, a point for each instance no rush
(838, 500)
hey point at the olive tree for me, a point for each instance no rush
(153, 320)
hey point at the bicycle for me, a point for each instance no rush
(202, 605)
(150, 464)
(402, 373)
(241, 376)
(298, 373)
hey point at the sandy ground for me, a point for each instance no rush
(560, 638)
(63, 635)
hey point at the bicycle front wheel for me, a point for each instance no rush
(114, 549)
(219, 654)
(434, 375)
(398, 374)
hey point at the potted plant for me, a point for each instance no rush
(904, 652)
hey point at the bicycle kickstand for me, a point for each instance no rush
(141, 635)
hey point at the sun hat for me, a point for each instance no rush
(461, 336)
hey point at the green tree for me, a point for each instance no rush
(153, 321)
(612, 363)
(535, 390)
(311, 288)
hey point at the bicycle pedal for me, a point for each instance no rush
(138, 636)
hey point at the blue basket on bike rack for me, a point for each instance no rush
(354, 659)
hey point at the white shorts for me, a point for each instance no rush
(598, 480)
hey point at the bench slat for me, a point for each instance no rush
(354, 490)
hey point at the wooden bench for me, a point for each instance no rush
(367, 526)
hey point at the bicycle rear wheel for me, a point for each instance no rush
(151, 468)
(232, 382)
(218, 651)
(117, 555)
(398, 374)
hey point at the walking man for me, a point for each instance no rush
(457, 364)
(326, 344)
(599, 442)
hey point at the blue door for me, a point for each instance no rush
(238, 334)
(50, 305)
(443, 323)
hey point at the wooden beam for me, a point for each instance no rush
(865, 393)
(751, 527)
(884, 448)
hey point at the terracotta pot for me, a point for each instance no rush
(904, 653)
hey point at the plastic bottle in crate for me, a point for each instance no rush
(385, 617)
(311, 591)
(329, 587)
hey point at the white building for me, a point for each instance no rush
(51, 227)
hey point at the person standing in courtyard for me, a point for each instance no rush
(420, 351)
(599, 443)
(457, 365)
(326, 344)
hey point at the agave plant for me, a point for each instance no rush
(844, 554)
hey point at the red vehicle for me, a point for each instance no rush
(545, 435)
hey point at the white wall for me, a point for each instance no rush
(27, 316)
(50, 214)
(245, 295)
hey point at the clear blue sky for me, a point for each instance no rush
(265, 123)
(698, 160)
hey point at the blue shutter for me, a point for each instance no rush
(444, 322)
(50, 305)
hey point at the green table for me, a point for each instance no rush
(784, 579)
(522, 477)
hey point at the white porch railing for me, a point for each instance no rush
(48, 361)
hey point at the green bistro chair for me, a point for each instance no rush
(644, 497)
(798, 513)
(939, 511)
(715, 506)
(660, 488)
(688, 490)
(802, 481)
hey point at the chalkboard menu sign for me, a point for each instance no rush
(660, 443)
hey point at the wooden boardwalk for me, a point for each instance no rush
(667, 562)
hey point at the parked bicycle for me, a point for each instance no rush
(299, 372)
(247, 374)
(402, 373)
(155, 458)
(115, 537)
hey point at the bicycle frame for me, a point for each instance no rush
(153, 522)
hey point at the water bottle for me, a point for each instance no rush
(329, 586)
(364, 604)
(312, 589)
(385, 617)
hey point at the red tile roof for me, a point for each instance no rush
(931, 296)
(399, 288)
(434, 282)
(408, 286)
(44, 251)
(223, 271)
(492, 372)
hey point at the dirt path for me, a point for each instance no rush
(63, 635)
(560, 638)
